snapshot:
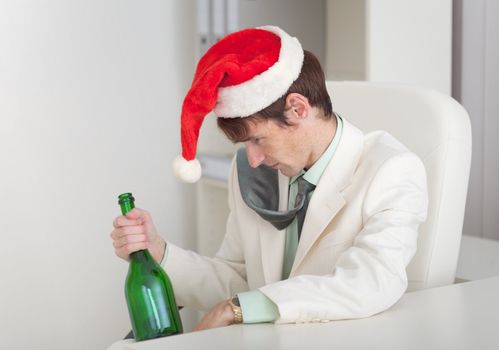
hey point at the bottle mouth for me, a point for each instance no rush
(125, 197)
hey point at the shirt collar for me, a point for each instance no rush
(314, 173)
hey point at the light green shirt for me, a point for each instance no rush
(255, 306)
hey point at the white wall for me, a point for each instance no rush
(90, 94)
(407, 42)
(303, 19)
(476, 86)
(346, 40)
(410, 42)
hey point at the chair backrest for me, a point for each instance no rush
(437, 129)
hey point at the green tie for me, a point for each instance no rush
(304, 188)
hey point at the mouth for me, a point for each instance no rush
(275, 166)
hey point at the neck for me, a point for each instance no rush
(323, 134)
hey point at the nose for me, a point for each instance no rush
(254, 154)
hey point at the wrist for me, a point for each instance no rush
(158, 249)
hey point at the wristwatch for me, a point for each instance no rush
(236, 309)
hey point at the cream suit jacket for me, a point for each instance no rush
(358, 237)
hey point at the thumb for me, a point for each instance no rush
(134, 214)
(141, 215)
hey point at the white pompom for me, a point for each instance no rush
(187, 170)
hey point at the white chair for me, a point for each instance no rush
(437, 129)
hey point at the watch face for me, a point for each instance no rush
(235, 301)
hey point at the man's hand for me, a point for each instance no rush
(220, 316)
(136, 231)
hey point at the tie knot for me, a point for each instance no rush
(304, 188)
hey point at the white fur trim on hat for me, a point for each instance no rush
(264, 89)
(187, 170)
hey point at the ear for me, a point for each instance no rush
(298, 105)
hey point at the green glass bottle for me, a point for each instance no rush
(149, 292)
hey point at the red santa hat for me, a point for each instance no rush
(240, 75)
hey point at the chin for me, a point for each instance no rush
(289, 172)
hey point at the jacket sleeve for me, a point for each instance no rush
(370, 276)
(201, 282)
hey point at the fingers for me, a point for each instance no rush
(134, 217)
(121, 221)
(132, 232)
(127, 240)
(125, 251)
(128, 234)
(120, 236)
(138, 214)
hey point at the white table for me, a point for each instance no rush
(461, 316)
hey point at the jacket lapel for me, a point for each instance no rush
(327, 199)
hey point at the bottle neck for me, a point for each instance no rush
(127, 204)
(127, 207)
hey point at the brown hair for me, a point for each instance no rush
(311, 83)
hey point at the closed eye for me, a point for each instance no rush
(257, 140)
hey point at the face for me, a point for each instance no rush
(280, 147)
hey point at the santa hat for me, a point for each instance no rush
(240, 75)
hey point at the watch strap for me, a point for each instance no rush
(236, 309)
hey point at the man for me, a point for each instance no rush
(323, 219)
